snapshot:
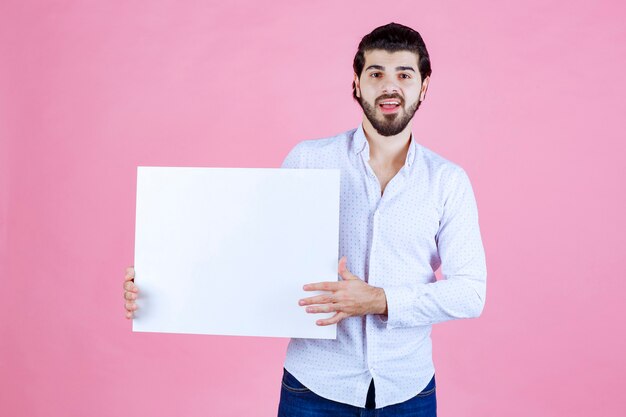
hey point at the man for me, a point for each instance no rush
(404, 211)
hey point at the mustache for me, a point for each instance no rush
(390, 96)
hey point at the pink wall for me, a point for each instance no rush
(527, 96)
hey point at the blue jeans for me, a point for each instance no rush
(296, 400)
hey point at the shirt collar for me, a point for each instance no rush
(359, 144)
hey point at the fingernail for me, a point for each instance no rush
(301, 302)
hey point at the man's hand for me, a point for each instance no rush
(350, 297)
(130, 292)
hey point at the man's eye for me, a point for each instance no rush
(405, 76)
(375, 74)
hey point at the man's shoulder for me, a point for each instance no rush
(326, 142)
(441, 169)
(436, 161)
(318, 152)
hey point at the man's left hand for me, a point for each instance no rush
(350, 297)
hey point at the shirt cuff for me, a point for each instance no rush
(401, 306)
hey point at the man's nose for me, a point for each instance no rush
(390, 87)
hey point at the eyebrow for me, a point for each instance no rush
(380, 67)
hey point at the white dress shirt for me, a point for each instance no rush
(426, 217)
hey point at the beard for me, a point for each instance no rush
(392, 124)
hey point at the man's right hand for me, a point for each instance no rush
(130, 292)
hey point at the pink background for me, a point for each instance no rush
(526, 96)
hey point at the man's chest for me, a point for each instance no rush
(404, 218)
(384, 174)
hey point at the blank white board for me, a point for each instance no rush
(226, 251)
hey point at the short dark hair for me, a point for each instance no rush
(392, 37)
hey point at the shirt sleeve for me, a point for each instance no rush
(461, 293)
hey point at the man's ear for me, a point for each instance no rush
(357, 85)
(424, 88)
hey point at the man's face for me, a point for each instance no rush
(390, 89)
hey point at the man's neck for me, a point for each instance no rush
(387, 150)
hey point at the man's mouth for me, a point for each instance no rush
(389, 106)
